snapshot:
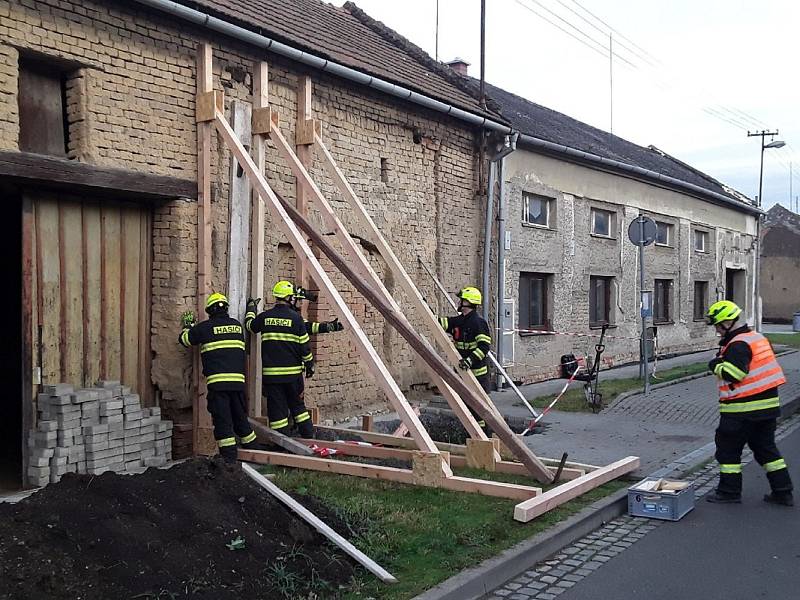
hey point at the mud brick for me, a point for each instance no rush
(58, 389)
(81, 396)
(134, 415)
(95, 429)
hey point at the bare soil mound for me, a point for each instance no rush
(164, 534)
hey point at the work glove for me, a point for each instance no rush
(465, 363)
(713, 364)
(334, 325)
(188, 320)
(252, 303)
(304, 294)
(309, 369)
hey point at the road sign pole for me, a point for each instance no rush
(644, 358)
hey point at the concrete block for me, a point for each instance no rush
(134, 424)
(84, 395)
(88, 422)
(38, 461)
(60, 453)
(46, 440)
(81, 466)
(39, 481)
(54, 477)
(133, 415)
(154, 461)
(59, 401)
(148, 444)
(43, 452)
(116, 427)
(130, 448)
(116, 434)
(116, 443)
(155, 411)
(131, 399)
(47, 426)
(96, 446)
(97, 470)
(58, 389)
(95, 429)
(146, 421)
(164, 435)
(125, 390)
(107, 405)
(147, 452)
(148, 429)
(107, 384)
(58, 461)
(116, 418)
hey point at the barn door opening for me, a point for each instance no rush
(11, 348)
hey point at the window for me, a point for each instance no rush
(600, 301)
(43, 126)
(662, 302)
(663, 234)
(534, 301)
(536, 209)
(602, 222)
(700, 300)
(700, 240)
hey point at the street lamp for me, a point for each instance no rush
(757, 277)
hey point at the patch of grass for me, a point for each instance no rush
(575, 401)
(422, 535)
(785, 339)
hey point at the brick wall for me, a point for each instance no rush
(130, 99)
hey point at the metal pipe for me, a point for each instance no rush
(501, 267)
(265, 43)
(587, 157)
(487, 236)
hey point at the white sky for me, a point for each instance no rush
(738, 54)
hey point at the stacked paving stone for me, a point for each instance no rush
(94, 430)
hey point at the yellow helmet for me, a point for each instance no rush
(215, 302)
(283, 289)
(471, 295)
(724, 310)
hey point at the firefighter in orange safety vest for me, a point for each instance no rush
(748, 376)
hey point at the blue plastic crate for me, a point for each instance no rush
(668, 506)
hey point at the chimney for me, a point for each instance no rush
(459, 65)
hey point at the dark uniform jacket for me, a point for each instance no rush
(472, 338)
(284, 342)
(733, 365)
(221, 341)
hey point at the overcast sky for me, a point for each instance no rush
(734, 58)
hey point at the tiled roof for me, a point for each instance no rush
(350, 37)
(547, 124)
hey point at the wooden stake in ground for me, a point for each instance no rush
(319, 525)
(424, 349)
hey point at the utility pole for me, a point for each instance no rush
(611, 80)
(437, 30)
(483, 54)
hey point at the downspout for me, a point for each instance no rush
(501, 269)
(258, 40)
(487, 236)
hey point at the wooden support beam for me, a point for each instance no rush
(270, 436)
(530, 509)
(365, 270)
(368, 354)
(320, 526)
(402, 430)
(260, 101)
(401, 275)
(304, 156)
(457, 484)
(366, 422)
(208, 103)
(480, 454)
(424, 349)
(264, 118)
(203, 434)
(239, 216)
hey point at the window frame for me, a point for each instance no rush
(612, 216)
(670, 228)
(548, 201)
(701, 316)
(525, 296)
(704, 235)
(668, 317)
(609, 313)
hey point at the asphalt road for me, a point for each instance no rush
(716, 552)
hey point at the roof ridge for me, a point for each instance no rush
(465, 84)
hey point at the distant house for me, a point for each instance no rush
(570, 192)
(780, 264)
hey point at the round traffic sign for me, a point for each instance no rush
(642, 231)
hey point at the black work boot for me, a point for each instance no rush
(781, 498)
(228, 454)
(722, 498)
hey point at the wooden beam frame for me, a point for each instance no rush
(368, 354)
(530, 509)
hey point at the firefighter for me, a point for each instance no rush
(221, 341)
(285, 357)
(748, 378)
(313, 327)
(472, 338)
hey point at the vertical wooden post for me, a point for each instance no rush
(28, 384)
(239, 202)
(202, 433)
(260, 100)
(304, 154)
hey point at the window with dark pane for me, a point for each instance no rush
(534, 301)
(600, 300)
(662, 301)
(700, 240)
(43, 127)
(536, 209)
(663, 234)
(700, 300)
(602, 222)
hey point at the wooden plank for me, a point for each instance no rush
(26, 322)
(90, 217)
(203, 438)
(367, 422)
(72, 317)
(366, 271)
(129, 318)
(304, 156)
(320, 526)
(515, 468)
(278, 439)
(48, 172)
(112, 288)
(404, 279)
(368, 354)
(260, 100)
(402, 430)
(452, 483)
(530, 509)
(49, 273)
(144, 386)
(239, 216)
(424, 349)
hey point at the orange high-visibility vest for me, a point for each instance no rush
(764, 373)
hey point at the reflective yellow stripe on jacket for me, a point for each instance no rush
(284, 337)
(220, 377)
(237, 344)
(295, 370)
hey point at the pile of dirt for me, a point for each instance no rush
(164, 534)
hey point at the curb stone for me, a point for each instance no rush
(476, 582)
